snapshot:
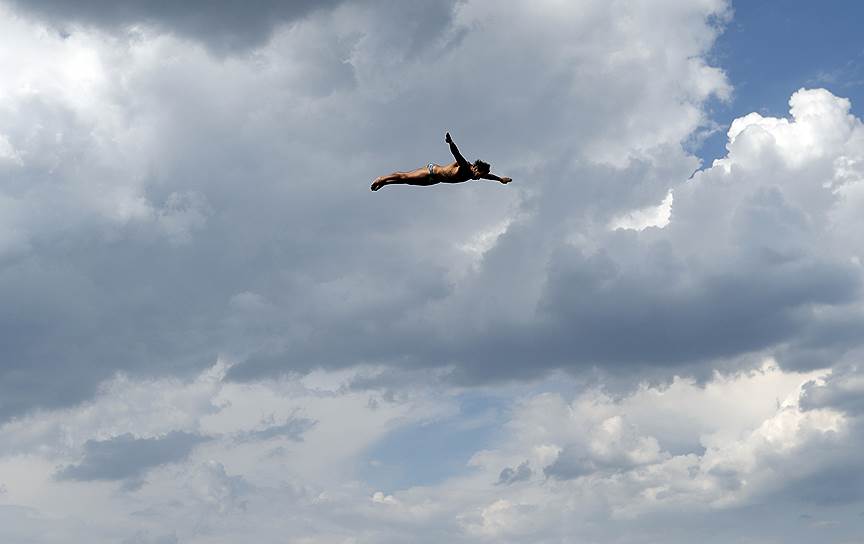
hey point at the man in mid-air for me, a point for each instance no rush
(455, 172)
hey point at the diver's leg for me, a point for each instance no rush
(381, 181)
(418, 177)
(414, 177)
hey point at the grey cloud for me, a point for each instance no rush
(727, 478)
(842, 390)
(826, 472)
(126, 457)
(834, 339)
(521, 473)
(568, 465)
(574, 462)
(834, 485)
(286, 262)
(223, 25)
(292, 429)
(615, 314)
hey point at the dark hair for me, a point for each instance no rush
(481, 166)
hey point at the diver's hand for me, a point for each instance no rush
(448, 139)
(505, 181)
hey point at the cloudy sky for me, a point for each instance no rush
(213, 332)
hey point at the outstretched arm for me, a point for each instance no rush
(453, 149)
(492, 176)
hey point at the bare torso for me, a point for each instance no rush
(453, 173)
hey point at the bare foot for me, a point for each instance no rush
(377, 184)
(505, 181)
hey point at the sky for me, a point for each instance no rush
(213, 331)
(771, 49)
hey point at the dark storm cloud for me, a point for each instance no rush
(223, 25)
(125, 457)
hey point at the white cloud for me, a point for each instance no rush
(222, 481)
(628, 473)
(652, 216)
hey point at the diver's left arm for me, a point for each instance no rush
(493, 177)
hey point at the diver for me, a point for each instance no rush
(431, 174)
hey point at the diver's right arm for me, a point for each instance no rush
(453, 149)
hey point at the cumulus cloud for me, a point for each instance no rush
(613, 445)
(634, 476)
